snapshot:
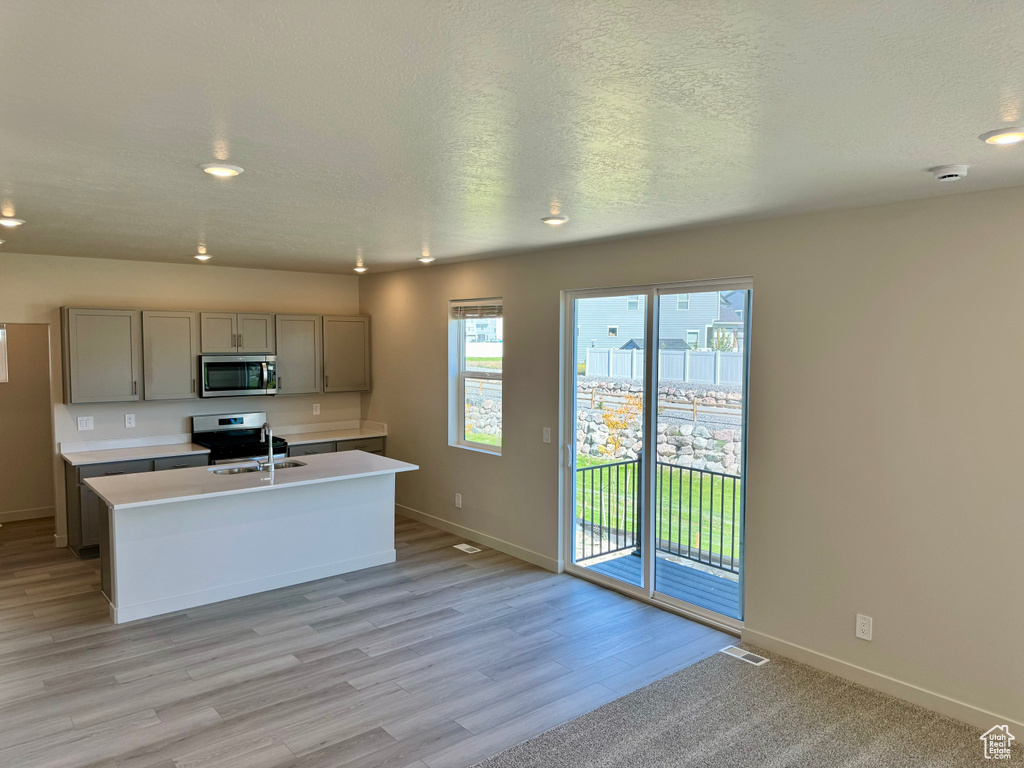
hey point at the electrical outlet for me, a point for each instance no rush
(84, 423)
(458, 501)
(129, 421)
(547, 434)
(316, 409)
(863, 626)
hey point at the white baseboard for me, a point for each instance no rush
(60, 541)
(26, 514)
(936, 702)
(121, 614)
(536, 558)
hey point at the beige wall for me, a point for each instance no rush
(900, 326)
(26, 435)
(34, 288)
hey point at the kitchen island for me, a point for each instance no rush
(186, 537)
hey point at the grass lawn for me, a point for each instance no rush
(483, 363)
(476, 437)
(686, 507)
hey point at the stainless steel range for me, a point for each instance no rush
(236, 437)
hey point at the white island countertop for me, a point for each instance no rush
(151, 488)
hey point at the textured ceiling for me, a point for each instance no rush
(388, 125)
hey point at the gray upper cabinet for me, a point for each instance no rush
(299, 350)
(256, 335)
(226, 333)
(102, 355)
(219, 332)
(346, 354)
(170, 347)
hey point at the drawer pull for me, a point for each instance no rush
(113, 473)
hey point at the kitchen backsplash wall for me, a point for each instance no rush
(33, 288)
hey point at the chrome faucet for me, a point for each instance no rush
(268, 435)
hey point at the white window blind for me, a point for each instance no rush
(3, 353)
(476, 308)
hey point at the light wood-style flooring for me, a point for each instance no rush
(439, 660)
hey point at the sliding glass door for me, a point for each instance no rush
(609, 386)
(656, 471)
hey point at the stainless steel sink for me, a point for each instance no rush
(244, 468)
(234, 470)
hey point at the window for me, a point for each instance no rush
(693, 339)
(3, 353)
(683, 301)
(475, 363)
(613, 330)
(633, 303)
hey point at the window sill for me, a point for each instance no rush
(478, 448)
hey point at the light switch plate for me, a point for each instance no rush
(316, 409)
(84, 423)
(547, 434)
(129, 421)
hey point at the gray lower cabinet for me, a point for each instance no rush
(181, 462)
(310, 449)
(102, 355)
(370, 445)
(87, 511)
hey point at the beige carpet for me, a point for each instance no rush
(725, 713)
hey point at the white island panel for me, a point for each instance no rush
(192, 548)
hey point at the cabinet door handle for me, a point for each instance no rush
(135, 386)
(240, 342)
(193, 386)
(233, 336)
(113, 473)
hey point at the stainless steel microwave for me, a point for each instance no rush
(236, 375)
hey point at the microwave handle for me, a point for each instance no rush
(266, 377)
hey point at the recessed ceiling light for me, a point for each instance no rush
(203, 256)
(221, 170)
(1003, 136)
(2, 242)
(360, 268)
(7, 221)
(426, 259)
(555, 221)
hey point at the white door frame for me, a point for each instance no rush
(567, 495)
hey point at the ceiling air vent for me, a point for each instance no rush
(747, 656)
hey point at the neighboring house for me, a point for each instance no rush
(482, 330)
(615, 321)
(664, 344)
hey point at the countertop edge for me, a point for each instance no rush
(255, 489)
